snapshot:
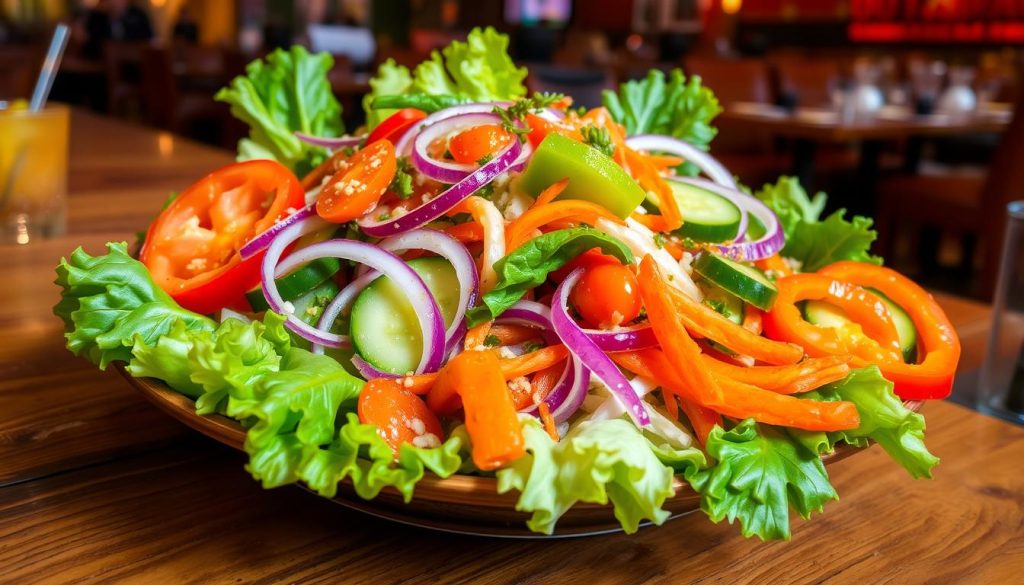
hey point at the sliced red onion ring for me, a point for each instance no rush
(263, 240)
(445, 171)
(769, 244)
(591, 355)
(330, 142)
(451, 250)
(437, 206)
(624, 339)
(423, 303)
(368, 372)
(708, 165)
(404, 145)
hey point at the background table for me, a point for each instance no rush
(96, 484)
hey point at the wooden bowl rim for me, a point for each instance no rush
(231, 433)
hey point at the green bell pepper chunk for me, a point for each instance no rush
(593, 176)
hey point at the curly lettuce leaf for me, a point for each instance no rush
(883, 419)
(284, 93)
(210, 366)
(677, 106)
(479, 69)
(596, 462)
(358, 452)
(816, 242)
(109, 301)
(761, 473)
(528, 266)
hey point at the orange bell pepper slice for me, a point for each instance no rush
(491, 418)
(518, 232)
(879, 342)
(932, 377)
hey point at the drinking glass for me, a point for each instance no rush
(1001, 386)
(33, 173)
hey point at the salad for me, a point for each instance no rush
(580, 303)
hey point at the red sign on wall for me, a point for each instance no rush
(937, 21)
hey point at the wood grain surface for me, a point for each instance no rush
(97, 485)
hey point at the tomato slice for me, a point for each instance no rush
(191, 248)
(476, 143)
(355, 189)
(394, 126)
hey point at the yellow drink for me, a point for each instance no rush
(33, 173)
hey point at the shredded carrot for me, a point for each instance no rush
(582, 211)
(443, 400)
(491, 419)
(816, 380)
(477, 336)
(675, 249)
(548, 420)
(544, 381)
(650, 179)
(548, 195)
(775, 377)
(512, 334)
(753, 319)
(663, 161)
(467, 232)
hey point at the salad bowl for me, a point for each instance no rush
(464, 504)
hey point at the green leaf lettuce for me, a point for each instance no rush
(110, 301)
(284, 93)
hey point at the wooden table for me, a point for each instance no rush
(96, 484)
(808, 132)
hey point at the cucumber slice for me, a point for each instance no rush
(294, 285)
(826, 314)
(707, 216)
(726, 304)
(384, 328)
(310, 306)
(747, 283)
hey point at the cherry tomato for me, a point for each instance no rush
(469, 146)
(606, 296)
(589, 259)
(540, 128)
(355, 189)
(394, 126)
(191, 248)
(399, 415)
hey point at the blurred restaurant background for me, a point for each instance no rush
(903, 110)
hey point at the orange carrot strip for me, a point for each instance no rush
(548, 195)
(584, 211)
(705, 321)
(774, 377)
(477, 335)
(491, 419)
(443, 399)
(467, 232)
(513, 334)
(548, 420)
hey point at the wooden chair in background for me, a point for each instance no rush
(123, 64)
(969, 205)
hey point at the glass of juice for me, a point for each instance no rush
(33, 172)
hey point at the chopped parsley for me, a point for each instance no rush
(492, 341)
(599, 138)
(531, 346)
(660, 240)
(485, 159)
(512, 117)
(401, 184)
(384, 216)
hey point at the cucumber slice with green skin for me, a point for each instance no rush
(747, 283)
(384, 329)
(294, 285)
(828, 315)
(707, 216)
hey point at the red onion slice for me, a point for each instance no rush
(263, 240)
(404, 145)
(704, 161)
(591, 355)
(330, 142)
(445, 171)
(623, 339)
(567, 395)
(768, 245)
(439, 205)
(448, 248)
